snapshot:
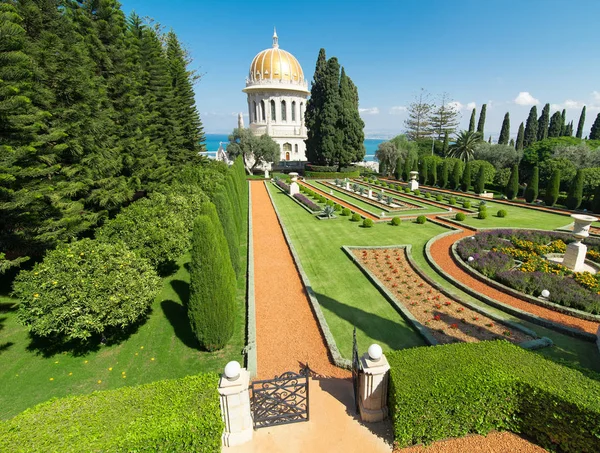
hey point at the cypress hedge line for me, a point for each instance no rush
(457, 389)
(178, 415)
(331, 174)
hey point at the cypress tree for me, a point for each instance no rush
(314, 108)
(212, 303)
(530, 135)
(512, 143)
(520, 138)
(456, 174)
(432, 173)
(465, 182)
(445, 144)
(331, 138)
(472, 121)
(350, 123)
(555, 125)
(542, 132)
(398, 172)
(563, 118)
(569, 132)
(480, 183)
(512, 187)
(225, 215)
(444, 175)
(581, 124)
(505, 131)
(552, 189)
(481, 122)
(595, 131)
(490, 139)
(575, 194)
(531, 192)
(407, 168)
(423, 171)
(596, 202)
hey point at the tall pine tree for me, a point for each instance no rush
(595, 131)
(555, 125)
(542, 132)
(314, 108)
(520, 138)
(581, 123)
(350, 123)
(530, 135)
(505, 131)
(472, 121)
(481, 122)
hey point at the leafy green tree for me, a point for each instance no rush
(481, 122)
(387, 155)
(595, 131)
(531, 126)
(456, 176)
(472, 120)
(542, 131)
(575, 194)
(444, 175)
(531, 193)
(505, 131)
(555, 125)
(212, 304)
(581, 123)
(512, 188)
(314, 108)
(464, 146)
(552, 189)
(418, 123)
(84, 289)
(465, 182)
(500, 156)
(520, 138)
(488, 170)
(254, 150)
(480, 183)
(350, 123)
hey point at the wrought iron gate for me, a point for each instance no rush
(355, 369)
(281, 400)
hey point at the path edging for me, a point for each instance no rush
(251, 349)
(336, 357)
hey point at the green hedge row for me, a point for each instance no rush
(331, 174)
(452, 390)
(179, 415)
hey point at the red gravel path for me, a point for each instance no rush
(441, 254)
(287, 333)
(342, 202)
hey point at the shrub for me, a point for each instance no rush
(575, 191)
(331, 175)
(501, 213)
(85, 288)
(396, 221)
(452, 390)
(480, 182)
(439, 197)
(212, 304)
(465, 182)
(466, 204)
(452, 201)
(367, 223)
(225, 212)
(421, 219)
(531, 192)
(427, 195)
(345, 212)
(355, 217)
(552, 189)
(330, 203)
(512, 188)
(307, 202)
(337, 207)
(417, 192)
(482, 214)
(407, 189)
(177, 415)
(281, 183)
(460, 216)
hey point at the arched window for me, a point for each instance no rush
(283, 111)
(302, 112)
(262, 111)
(287, 155)
(296, 148)
(254, 113)
(273, 113)
(294, 111)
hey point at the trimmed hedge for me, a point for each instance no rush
(457, 389)
(501, 213)
(396, 221)
(331, 174)
(225, 212)
(178, 415)
(346, 212)
(355, 217)
(367, 223)
(460, 216)
(421, 219)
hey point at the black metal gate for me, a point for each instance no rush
(281, 400)
(355, 369)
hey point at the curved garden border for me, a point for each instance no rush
(406, 314)
(251, 350)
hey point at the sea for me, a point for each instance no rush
(214, 140)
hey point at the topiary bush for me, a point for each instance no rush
(482, 214)
(355, 217)
(396, 221)
(407, 189)
(367, 223)
(83, 289)
(177, 415)
(466, 204)
(337, 207)
(460, 216)
(439, 198)
(345, 212)
(427, 195)
(501, 213)
(330, 203)
(417, 192)
(421, 219)
(452, 201)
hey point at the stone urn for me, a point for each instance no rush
(294, 188)
(575, 255)
(413, 183)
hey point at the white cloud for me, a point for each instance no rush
(455, 105)
(370, 111)
(596, 96)
(471, 105)
(524, 98)
(398, 110)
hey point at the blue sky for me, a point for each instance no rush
(508, 54)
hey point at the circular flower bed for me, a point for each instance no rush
(516, 258)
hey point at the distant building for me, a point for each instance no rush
(277, 93)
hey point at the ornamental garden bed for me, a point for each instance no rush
(443, 318)
(516, 259)
(361, 193)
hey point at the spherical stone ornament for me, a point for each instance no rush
(375, 352)
(470, 259)
(545, 293)
(232, 370)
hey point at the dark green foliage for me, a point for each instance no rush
(178, 415)
(595, 130)
(452, 201)
(383, 168)
(531, 128)
(367, 223)
(552, 189)
(466, 204)
(211, 307)
(555, 125)
(453, 390)
(581, 123)
(432, 173)
(563, 122)
(407, 168)
(596, 201)
(501, 213)
(512, 142)
(327, 175)
(520, 138)
(225, 213)
(396, 221)
(345, 212)
(482, 214)
(423, 171)
(512, 188)
(398, 171)
(472, 121)
(460, 216)
(575, 191)
(314, 108)
(355, 217)
(505, 131)
(542, 132)
(421, 219)
(444, 175)
(465, 182)
(531, 192)
(445, 148)
(481, 122)
(350, 124)
(107, 285)
(456, 176)
(480, 183)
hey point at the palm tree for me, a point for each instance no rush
(464, 146)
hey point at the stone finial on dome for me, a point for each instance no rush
(275, 39)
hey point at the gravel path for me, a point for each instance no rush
(287, 334)
(441, 254)
(494, 442)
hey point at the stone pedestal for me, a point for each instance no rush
(575, 256)
(370, 193)
(347, 186)
(413, 184)
(373, 388)
(267, 174)
(294, 188)
(235, 409)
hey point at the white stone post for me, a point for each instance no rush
(373, 385)
(413, 183)
(294, 188)
(370, 194)
(347, 185)
(235, 405)
(266, 174)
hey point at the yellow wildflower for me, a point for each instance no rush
(36, 295)
(152, 359)
(70, 374)
(51, 378)
(110, 369)
(99, 382)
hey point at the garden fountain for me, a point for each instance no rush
(574, 257)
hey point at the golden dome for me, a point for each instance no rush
(275, 64)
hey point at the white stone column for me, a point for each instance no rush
(235, 405)
(294, 188)
(373, 385)
(370, 194)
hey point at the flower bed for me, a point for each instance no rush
(515, 258)
(281, 183)
(307, 202)
(397, 206)
(447, 320)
